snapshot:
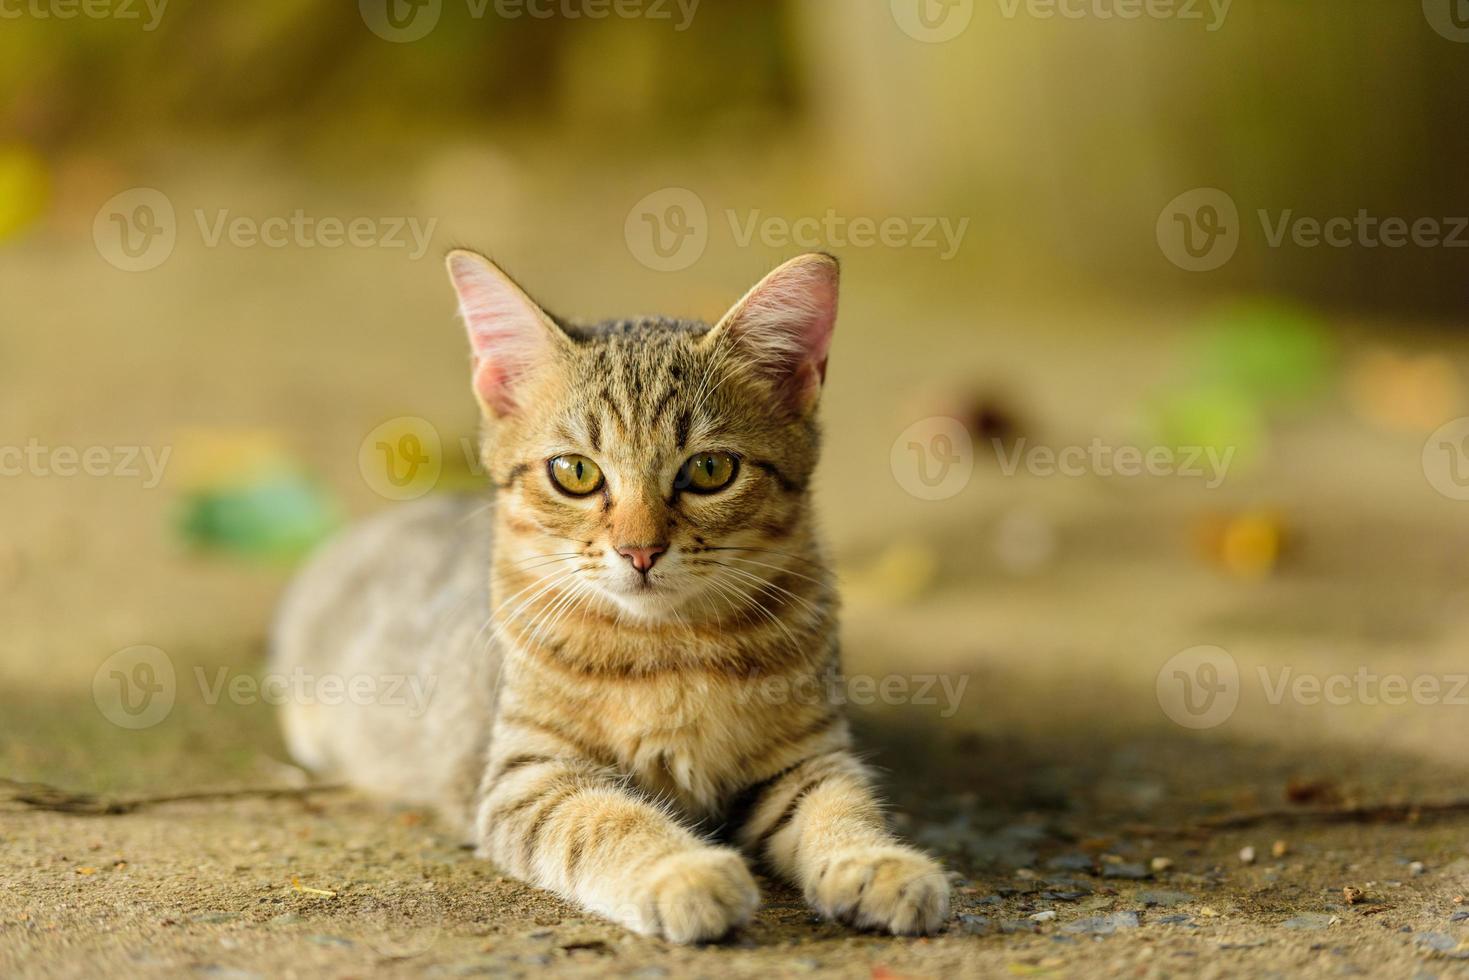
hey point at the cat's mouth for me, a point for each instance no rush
(647, 587)
(650, 599)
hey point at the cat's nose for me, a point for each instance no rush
(643, 556)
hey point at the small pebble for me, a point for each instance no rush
(1161, 864)
(1279, 849)
(1353, 895)
(1416, 868)
(1046, 915)
(1126, 870)
(977, 925)
(1072, 862)
(1247, 855)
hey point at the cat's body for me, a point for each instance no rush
(401, 599)
(628, 651)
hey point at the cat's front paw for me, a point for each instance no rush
(699, 895)
(887, 887)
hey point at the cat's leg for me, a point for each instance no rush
(819, 825)
(570, 826)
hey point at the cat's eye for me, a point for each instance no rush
(708, 472)
(575, 474)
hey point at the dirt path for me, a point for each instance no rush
(1045, 886)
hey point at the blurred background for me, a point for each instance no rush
(1224, 239)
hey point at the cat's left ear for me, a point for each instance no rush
(784, 325)
(510, 336)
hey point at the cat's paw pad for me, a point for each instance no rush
(699, 896)
(887, 887)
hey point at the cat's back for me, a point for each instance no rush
(384, 652)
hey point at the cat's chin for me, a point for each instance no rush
(650, 604)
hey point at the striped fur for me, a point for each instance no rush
(629, 743)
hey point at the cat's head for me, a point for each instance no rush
(657, 465)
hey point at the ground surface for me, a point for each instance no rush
(1052, 783)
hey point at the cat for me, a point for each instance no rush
(633, 719)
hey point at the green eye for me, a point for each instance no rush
(575, 474)
(708, 472)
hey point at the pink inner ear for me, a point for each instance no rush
(786, 324)
(494, 385)
(506, 332)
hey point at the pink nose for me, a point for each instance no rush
(643, 557)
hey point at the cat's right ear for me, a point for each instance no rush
(508, 333)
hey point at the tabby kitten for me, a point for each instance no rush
(627, 650)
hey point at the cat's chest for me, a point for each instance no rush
(687, 740)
